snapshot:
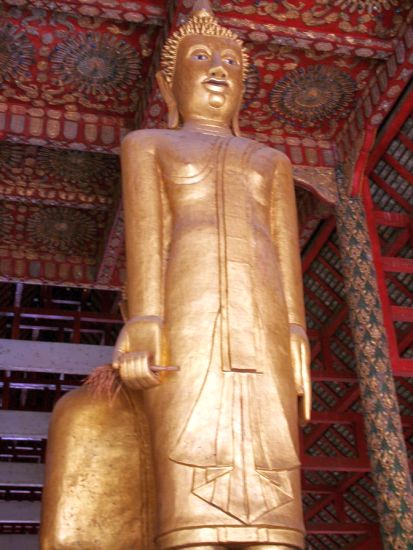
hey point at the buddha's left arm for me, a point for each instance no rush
(284, 228)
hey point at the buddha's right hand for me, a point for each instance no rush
(139, 352)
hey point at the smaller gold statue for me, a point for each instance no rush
(214, 287)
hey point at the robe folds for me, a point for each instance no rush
(224, 427)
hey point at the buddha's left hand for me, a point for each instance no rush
(301, 358)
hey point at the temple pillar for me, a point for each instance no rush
(384, 433)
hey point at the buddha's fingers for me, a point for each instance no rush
(158, 368)
(135, 371)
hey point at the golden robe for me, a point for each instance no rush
(223, 239)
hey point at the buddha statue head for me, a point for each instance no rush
(203, 69)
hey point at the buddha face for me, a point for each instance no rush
(207, 83)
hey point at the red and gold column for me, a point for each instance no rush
(387, 448)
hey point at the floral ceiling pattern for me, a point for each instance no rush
(96, 64)
(62, 231)
(57, 59)
(49, 242)
(308, 97)
(16, 53)
(68, 177)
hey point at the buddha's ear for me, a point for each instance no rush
(168, 96)
(235, 119)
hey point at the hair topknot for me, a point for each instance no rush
(204, 23)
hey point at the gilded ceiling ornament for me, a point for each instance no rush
(95, 63)
(306, 97)
(201, 21)
(16, 53)
(77, 166)
(62, 230)
(369, 6)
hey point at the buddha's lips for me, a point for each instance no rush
(215, 82)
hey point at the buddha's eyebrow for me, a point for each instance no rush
(201, 47)
(229, 51)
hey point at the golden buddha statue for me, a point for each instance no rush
(214, 288)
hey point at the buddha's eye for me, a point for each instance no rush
(201, 56)
(230, 61)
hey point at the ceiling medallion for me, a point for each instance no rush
(16, 53)
(96, 63)
(63, 230)
(307, 97)
(78, 166)
(370, 6)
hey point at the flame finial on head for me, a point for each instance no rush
(202, 21)
(202, 8)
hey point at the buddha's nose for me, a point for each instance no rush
(218, 71)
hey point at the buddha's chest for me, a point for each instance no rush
(196, 169)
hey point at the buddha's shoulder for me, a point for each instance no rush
(147, 138)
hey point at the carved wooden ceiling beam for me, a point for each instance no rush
(265, 32)
(381, 93)
(141, 12)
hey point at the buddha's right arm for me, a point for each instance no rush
(140, 344)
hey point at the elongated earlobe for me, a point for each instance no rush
(173, 116)
(235, 119)
(166, 92)
(235, 126)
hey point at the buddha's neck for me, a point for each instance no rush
(206, 127)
